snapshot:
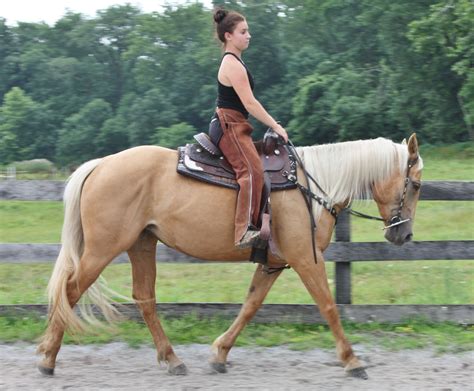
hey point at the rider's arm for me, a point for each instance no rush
(236, 75)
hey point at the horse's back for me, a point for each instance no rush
(143, 156)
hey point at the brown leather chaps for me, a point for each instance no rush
(237, 146)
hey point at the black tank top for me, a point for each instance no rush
(227, 98)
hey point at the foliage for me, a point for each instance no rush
(175, 135)
(330, 70)
(35, 166)
(78, 134)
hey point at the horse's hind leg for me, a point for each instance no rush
(261, 284)
(90, 267)
(142, 257)
(314, 278)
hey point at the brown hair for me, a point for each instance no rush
(226, 22)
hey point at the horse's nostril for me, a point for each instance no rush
(409, 237)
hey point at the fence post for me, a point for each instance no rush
(343, 269)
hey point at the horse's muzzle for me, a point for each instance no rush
(399, 234)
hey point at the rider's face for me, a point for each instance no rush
(240, 37)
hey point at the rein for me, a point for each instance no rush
(308, 195)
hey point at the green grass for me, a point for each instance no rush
(434, 220)
(421, 282)
(414, 334)
(449, 162)
(30, 221)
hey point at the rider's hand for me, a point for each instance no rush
(281, 132)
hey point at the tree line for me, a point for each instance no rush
(329, 70)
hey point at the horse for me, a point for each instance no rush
(130, 200)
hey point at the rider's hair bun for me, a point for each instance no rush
(220, 14)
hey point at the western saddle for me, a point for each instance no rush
(204, 161)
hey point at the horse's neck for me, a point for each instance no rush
(347, 170)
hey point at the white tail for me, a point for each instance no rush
(72, 240)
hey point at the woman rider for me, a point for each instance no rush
(235, 101)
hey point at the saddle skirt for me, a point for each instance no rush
(206, 164)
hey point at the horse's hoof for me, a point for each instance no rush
(218, 367)
(46, 371)
(358, 373)
(179, 370)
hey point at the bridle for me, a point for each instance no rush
(397, 218)
(308, 195)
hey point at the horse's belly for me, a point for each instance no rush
(198, 220)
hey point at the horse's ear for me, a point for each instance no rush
(404, 141)
(413, 145)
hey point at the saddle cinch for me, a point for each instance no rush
(204, 161)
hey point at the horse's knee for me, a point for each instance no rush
(147, 306)
(251, 306)
(147, 311)
(330, 312)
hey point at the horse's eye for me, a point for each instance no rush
(416, 185)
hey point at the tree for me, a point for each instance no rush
(446, 36)
(113, 136)
(149, 112)
(79, 136)
(174, 136)
(7, 66)
(176, 53)
(311, 108)
(329, 70)
(24, 129)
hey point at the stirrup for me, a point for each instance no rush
(248, 239)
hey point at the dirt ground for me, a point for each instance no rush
(115, 366)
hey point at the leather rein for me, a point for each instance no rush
(308, 196)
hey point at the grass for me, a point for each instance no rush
(414, 334)
(421, 282)
(30, 221)
(449, 162)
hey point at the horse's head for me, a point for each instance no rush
(397, 196)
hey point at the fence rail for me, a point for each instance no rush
(337, 252)
(284, 313)
(45, 190)
(342, 252)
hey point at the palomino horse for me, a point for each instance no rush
(128, 201)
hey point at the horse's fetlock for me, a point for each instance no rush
(165, 353)
(41, 348)
(352, 364)
(344, 352)
(221, 345)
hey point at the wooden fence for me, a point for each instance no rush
(342, 252)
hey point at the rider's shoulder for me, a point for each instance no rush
(231, 62)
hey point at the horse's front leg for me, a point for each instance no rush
(261, 284)
(314, 278)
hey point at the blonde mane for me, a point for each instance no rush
(346, 171)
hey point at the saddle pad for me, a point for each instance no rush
(194, 161)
